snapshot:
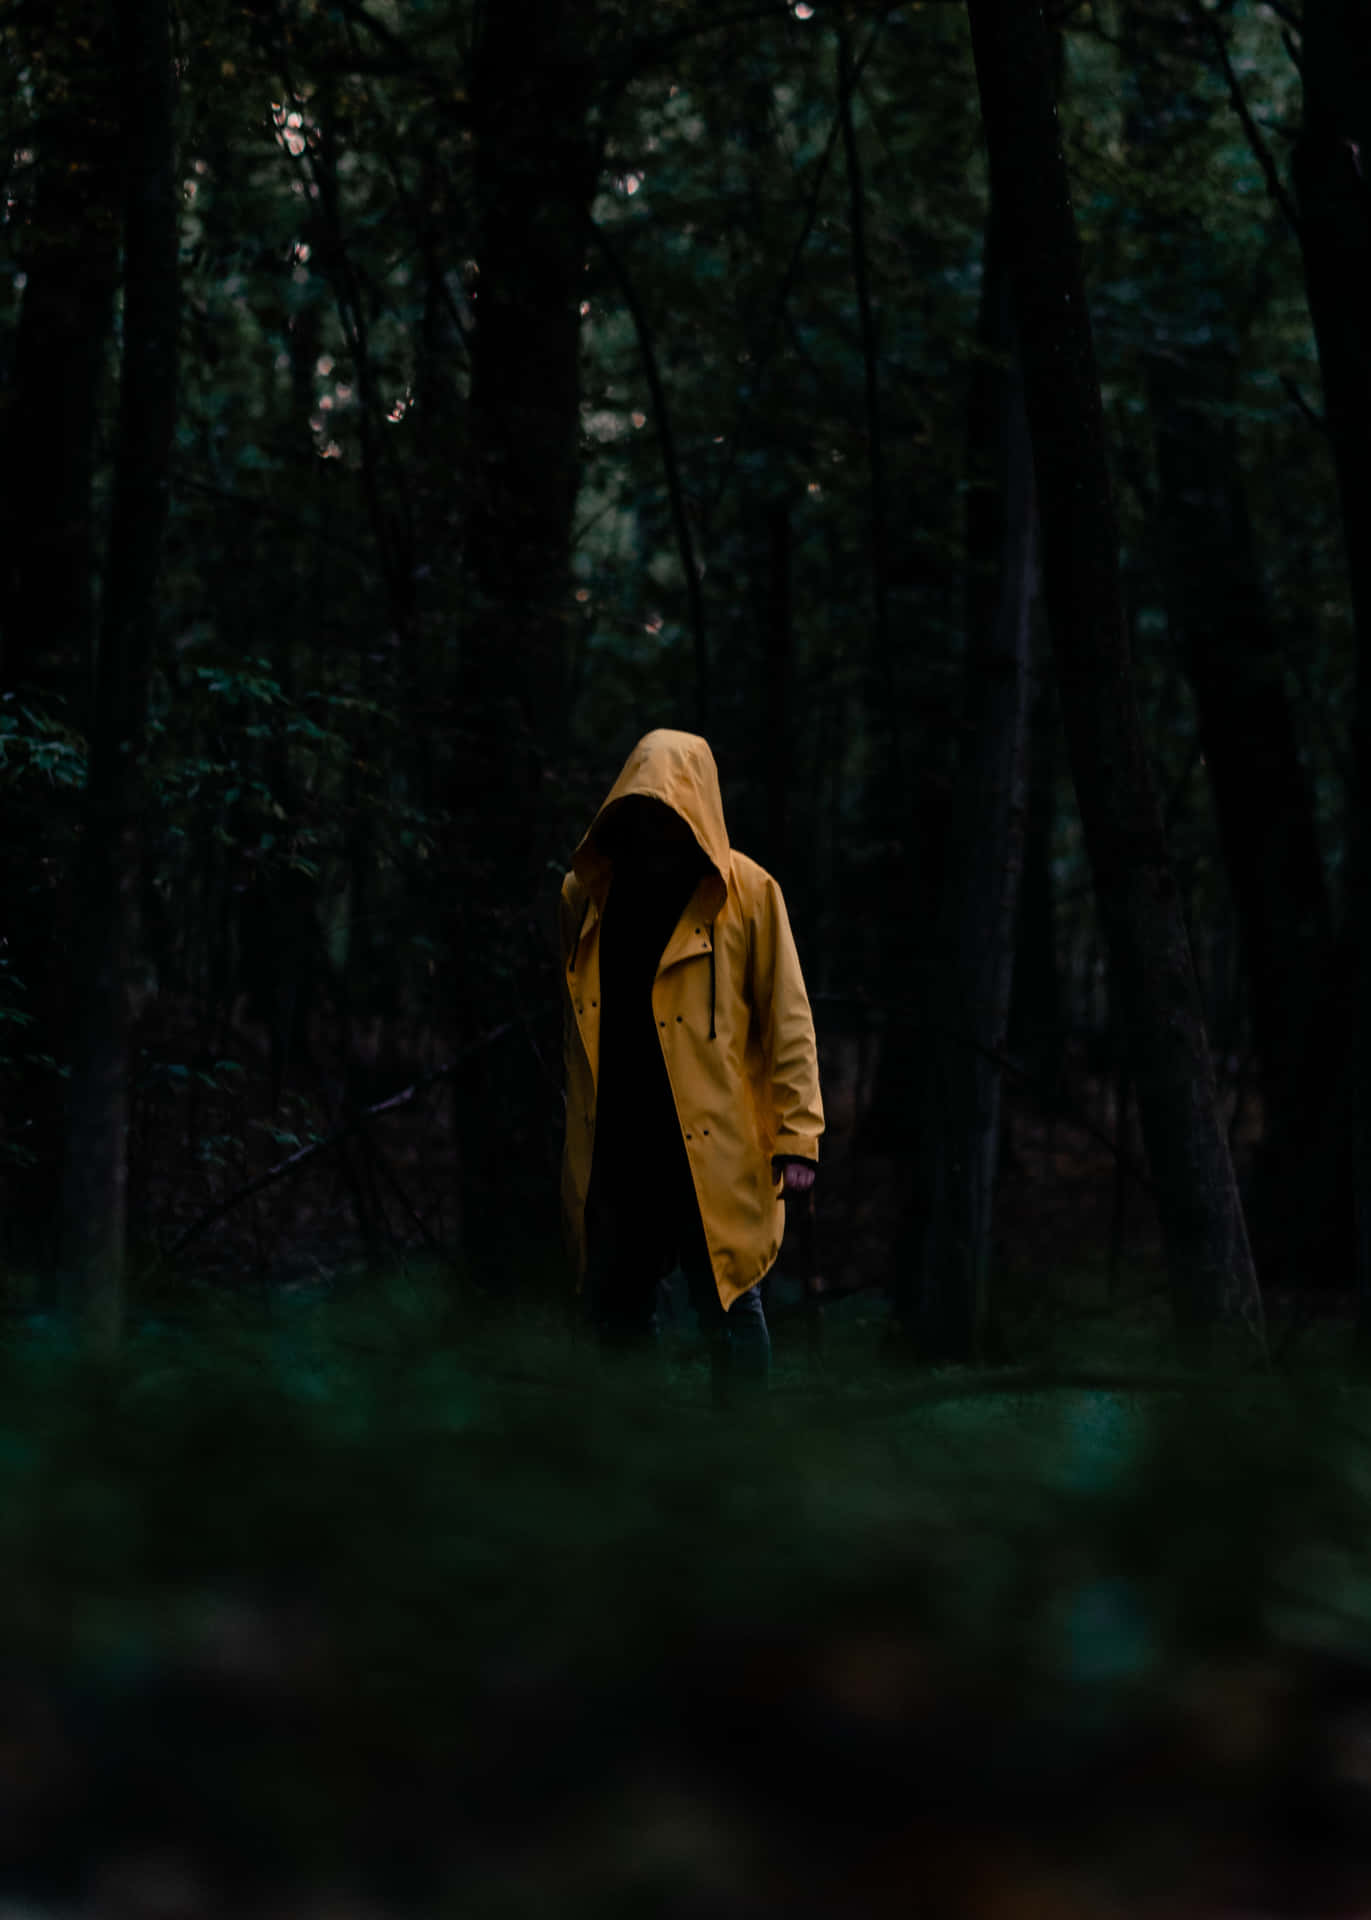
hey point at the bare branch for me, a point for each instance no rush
(666, 440)
(1310, 412)
(269, 509)
(778, 311)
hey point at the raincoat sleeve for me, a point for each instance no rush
(787, 1032)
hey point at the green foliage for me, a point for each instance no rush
(35, 745)
(381, 1526)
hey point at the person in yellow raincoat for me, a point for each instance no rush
(692, 1084)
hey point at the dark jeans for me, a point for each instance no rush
(636, 1230)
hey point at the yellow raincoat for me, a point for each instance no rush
(733, 1020)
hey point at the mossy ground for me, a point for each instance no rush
(397, 1592)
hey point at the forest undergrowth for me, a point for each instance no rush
(389, 1600)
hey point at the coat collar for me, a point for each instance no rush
(701, 910)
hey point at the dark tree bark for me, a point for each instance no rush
(1208, 1258)
(1234, 661)
(536, 165)
(1332, 173)
(780, 666)
(94, 1190)
(871, 392)
(900, 792)
(67, 246)
(1332, 176)
(1035, 1008)
(941, 1287)
(69, 251)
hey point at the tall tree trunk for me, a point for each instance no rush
(1332, 174)
(69, 250)
(1234, 661)
(536, 163)
(941, 1289)
(1208, 1258)
(94, 1191)
(68, 247)
(914, 868)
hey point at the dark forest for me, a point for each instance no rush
(959, 413)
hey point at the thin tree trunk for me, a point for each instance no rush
(1035, 1008)
(94, 1194)
(1332, 175)
(1208, 1258)
(955, 1166)
(1332, 172)
(67, 243)
(780, 667)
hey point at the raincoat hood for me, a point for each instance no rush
(677, 769)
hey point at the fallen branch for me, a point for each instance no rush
(354, 1120)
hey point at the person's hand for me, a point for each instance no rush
(798, 1178)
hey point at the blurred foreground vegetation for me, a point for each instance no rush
(398, 1602)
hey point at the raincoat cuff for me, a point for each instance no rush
(797, 1146)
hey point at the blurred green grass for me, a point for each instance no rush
(335, 1586)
